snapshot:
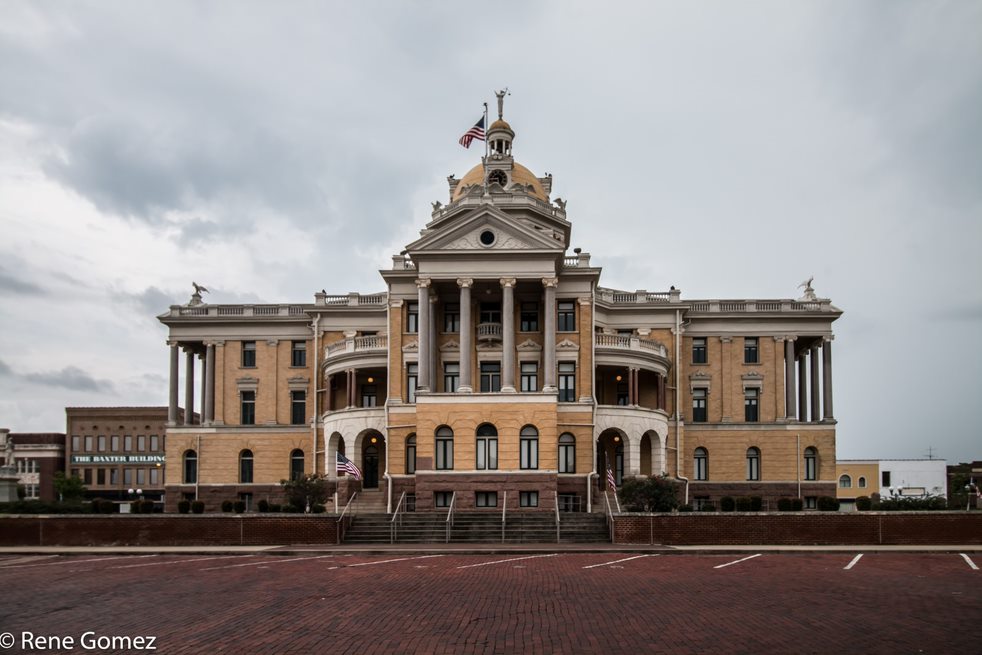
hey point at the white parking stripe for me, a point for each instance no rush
(853, 562)
(737, 561)
(265, 561)
(177, 561)
(31, 558)
(503, 561)
(968, 559)
(386, 561)
(618, 561)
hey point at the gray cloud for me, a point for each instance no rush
(70, 377)
(13, 285)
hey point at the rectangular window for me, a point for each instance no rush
(114, 476)
(100, 476)
(412, 377)
(567, 382)
(451, 317)
(248, 407)
(114, 443)
(442, 498)
(141, 443)
(369, 395)
(811, 502)
(528, 449)
(444, 453)
(248, 354)
(566, 316)
(89, 443)
(154, 477)
(127, 476)
(31, 490)
(102, 443)
(487, 453)
(154, 443)
(750, 405)
(298, 353)
(490, 312)
(412, 317)
(567, 456)
(486, 499)
(76, 442)
(127, 443)
(490, 376)
(87, 476)
(451, 376)
(530, 376)
(699, 406)
(699, 350)
(751, 352)
(141, 476)
(530, 317)
(528, 498)
(298, 407)
(885, 479)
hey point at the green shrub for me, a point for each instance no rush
(184, 506)
(318, 509)
(797, 504)
(147, 506)
(707, 507)
(291, 509)
(197, 507)
(239, 506)
(828, 504)
(742, 504)
(756, 503)
(649, 494)
(727, 504)
(263, 505)
(275, 507)
(785, 504)
(227, 505)
(42, 507)
(864, 504)
(685, 508)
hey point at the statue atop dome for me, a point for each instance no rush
(501, 101)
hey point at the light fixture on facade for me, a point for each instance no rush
(617, 438)
(374, 440)
(618, 378)
(371, 380)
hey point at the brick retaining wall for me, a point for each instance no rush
(167, 530)
(800, 528)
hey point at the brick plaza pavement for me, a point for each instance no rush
(504, 603)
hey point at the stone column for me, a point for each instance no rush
(423, 340)
(466, 335)
(508, 334)
(189, 388)
(724, 371)
(203, 392)
(210, 383)
(174, 372)
(349, 387)
(330, 395)
(827, 378)
(813, 365)
(434, 329)
(802, 388)
(789, 412)
(549, 344)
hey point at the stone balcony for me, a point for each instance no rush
(374, 343)
(356, 352)
(631, 350)
(760, 306)
(489, 332)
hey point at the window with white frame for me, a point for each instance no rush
(528, 498)
(567, 453)
(567, 382)
(487, 447)
(451, 376)
(412, 378)
(753, 463)
(530, 376)
(701, 464)
(444, 449)
(811, 463)
(528, 448)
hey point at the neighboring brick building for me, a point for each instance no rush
(493, 363)
(37, 456)
(115, 449)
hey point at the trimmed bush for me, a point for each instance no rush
(263, 505)
(144, 506)
(318, 509)
(239, 506)
(727, 504)
(785, 504)
(275, 507)
(184, 506)
(291, 509)
(197, 507)
(797, 504)
(864, 504)
(707, 507)
(828, 504)
(227, 505)
(742, 504)
(756, 503)
(685, 508)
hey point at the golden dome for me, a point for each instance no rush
(519, 175)
(500, 125)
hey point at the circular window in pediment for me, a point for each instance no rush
(487, 238)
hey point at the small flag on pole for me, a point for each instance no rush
(611, 482)
(476, 132)
(346, 465)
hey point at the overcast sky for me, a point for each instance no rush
(271, 150)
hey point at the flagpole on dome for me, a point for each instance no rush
(487, 152)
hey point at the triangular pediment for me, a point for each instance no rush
(507, 235)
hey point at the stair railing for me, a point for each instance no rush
(396, 521)
(342, 525)
(453, 499)
(504, 508)
(609, 516)
(557, 517)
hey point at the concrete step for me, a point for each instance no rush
(478, 527)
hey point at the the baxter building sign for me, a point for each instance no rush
(117, 459)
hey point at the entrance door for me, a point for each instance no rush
(371, 467)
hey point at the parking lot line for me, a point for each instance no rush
(30, 558)
(72, 560)
(265, 561)
(503, 561)
(975, 567)
(736, 561)
(386, 561)
(853, 562)
(617, 561)
(176, 561)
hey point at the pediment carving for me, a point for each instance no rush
(566, 344)
(529, 345)
(411, 347)
(450, 345)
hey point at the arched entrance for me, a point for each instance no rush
(372, 458)
(611, 454)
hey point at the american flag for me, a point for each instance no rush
(476, 132)
(611, 481)
(345, 464)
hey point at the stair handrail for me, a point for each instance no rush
(453, 498)
(504, 508)
(393, 526)
(609, 516)
(556, 499)
(341, 525)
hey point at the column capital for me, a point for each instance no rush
(725, 339)
(828, 339)
(790, 337)
(423, 282)
(550, 282)
(585, 300)
(507, 282)
(778, 339)
(433, 299)
(172, 343)
(395, 303)
(465, 282)
(272, 342)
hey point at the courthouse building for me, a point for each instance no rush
(493, 367)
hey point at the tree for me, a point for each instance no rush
(69, 488)
(654, 494)
(306, 491)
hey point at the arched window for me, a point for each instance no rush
(444, 449)
(528, 448)
(296, 464)
(567, 453)
(845, 482)
(701, 464)
(245, 467)
(753, 463)
(487, 447)
(190, 467)
(411, 454)
(862, 483)
(811, 464)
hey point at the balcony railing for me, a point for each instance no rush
(749, 306)
(238, 310)
(489, 331)
(628, 342)
(641, 296)
(357, 344)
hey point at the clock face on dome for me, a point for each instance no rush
(498, 177)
